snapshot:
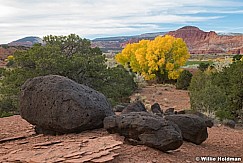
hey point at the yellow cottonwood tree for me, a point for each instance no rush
(160, 58)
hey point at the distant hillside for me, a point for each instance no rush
(26, 41)
(126, 38)
(117, 43)
(198, 41)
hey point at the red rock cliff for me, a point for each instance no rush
(200, 42)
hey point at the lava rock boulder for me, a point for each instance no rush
(193, 127)
(208, 121)
(59, 105)
(147, 129)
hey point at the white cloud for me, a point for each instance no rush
(103, 17)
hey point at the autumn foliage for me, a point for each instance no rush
(160, 58)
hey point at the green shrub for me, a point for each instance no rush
(203, 66)
(2, 70)
(231, 81)
(184, 80)
(198, 81)
(5, 114)
(223, 114)
(219, 92)
(209, 99)
(7, 107)
(237, 57)
(118, 85)
(10, 63)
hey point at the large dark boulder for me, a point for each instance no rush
(137, 106)
(147, 129)
(193, 127)
(208, 121)
(57, 104)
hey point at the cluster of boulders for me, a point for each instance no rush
(58, 105)
(157, 128)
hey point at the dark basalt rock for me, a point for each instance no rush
(58, 104)
(193, 127)
(147, 129)
(208, 121)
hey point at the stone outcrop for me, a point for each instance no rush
(93, 149)
(193, 127)
(57, 104)
(147, 129)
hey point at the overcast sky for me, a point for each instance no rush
(101, 18)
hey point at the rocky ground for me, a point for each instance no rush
(99, 146)
(167, 96)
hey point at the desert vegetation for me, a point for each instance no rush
(160, 58)
(218, 90)
(184, 80)
(69, 56)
